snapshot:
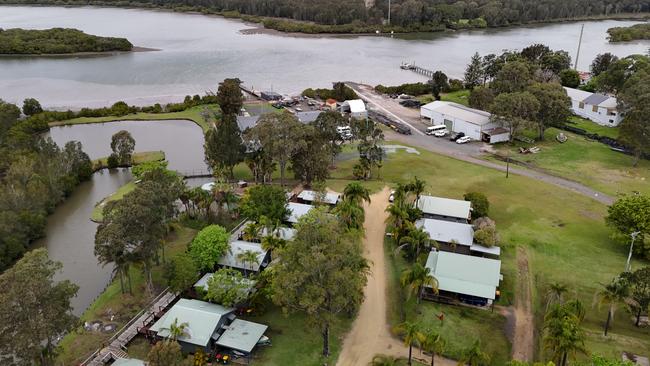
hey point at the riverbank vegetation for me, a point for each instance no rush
(52, 41)
(340, 16)
(35, 176)
(562, 245)
(631, 33)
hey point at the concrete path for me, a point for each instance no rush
(470, 153)
(370, 334)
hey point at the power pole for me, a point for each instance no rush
(579, 45)
(388, 12)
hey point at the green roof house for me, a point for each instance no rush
(204, 323)
(465, 278)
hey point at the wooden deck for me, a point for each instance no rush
(116, 347)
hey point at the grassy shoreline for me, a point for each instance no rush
(191, 114)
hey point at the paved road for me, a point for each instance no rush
(470, 153)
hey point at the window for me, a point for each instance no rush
(594, 108)
(581, 105)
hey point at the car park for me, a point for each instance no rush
(455, 136)
(463, 140)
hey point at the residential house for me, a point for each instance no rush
(331, 104)
(128, 362)
(458, 118)
(445, 209)
(312, 197)
(596, 107)
(231, 258)
(297, 210)
(455, 237)
(468, 279)
(204, 322)
(307, 116)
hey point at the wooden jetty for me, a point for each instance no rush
(116, 347)
(417, 69)
(198, 173)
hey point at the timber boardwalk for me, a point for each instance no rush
(417, 69)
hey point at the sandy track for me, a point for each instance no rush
(370, 334)
(523, 342)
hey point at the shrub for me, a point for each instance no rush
(112, 161)
(480, 204)
(486, 237)
(208, 246)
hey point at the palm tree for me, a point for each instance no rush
(248, 258)
(564, 338)
(416, 279)
(416, 187)
(383, 360)
(613, 294)
(474, 356)
(412, 335)
(355, 192)
(398, 217)
(272, 242)
(554, 293)
(177, 330)
(416, 240)
(251, 231)
(433, 343)
(351, 214)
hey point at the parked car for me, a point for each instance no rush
(441, 133)
(455, 136)
(464, 140)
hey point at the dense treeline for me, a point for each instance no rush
(57, 41)
(35, 175)
(351, 16)
(624, 34)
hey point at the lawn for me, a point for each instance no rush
(192, 114)
(593, 127)
(137, 158)
(563, 233)
(460, 97)
(97, 214)
(586, 161)
(76, 346)
(461, 326)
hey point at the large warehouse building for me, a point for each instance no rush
(458, 118)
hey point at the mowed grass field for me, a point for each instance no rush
(563, 233)
(585, 161)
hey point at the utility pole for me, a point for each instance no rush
(388, 12)
(579, 45)
(629, 256)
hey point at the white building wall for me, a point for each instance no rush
(600, 117)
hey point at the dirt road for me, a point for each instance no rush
(370, 334)
(470, 153)
(523, 340)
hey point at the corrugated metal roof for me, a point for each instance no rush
(285, 233)
(446, 231)
(330, 198)
(298, 210)
(202, 319)
(465, 274)
(307, 116)
(595, 99)
(245, 122)
(356, 105)
(481, 249)
(239, 246)
(459, 111)
(241, 335)
(444, 207)
(577, 94)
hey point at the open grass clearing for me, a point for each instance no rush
(585, 161)
(193, 114)
(564, 233)
(460, 97)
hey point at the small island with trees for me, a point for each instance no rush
(631, 33)
(58, 41)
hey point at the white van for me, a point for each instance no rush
(433, 129)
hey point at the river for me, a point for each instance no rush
(69, 235)
(198, 51)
